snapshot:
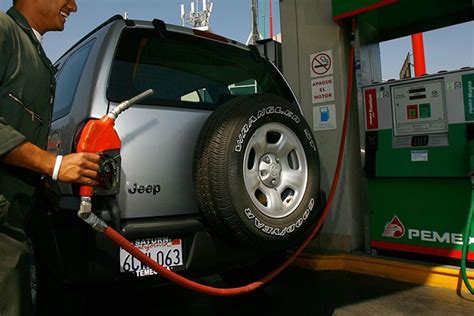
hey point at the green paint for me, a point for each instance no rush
(468, 92)
(436, 206)
(430, 198)
(406, 17)
(449, 161)
(425, 110)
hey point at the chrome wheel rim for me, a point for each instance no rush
(275, 170)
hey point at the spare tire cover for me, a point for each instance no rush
(256, 172)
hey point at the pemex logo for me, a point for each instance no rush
(394, 228)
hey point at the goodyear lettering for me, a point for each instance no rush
(258, 223)
(291, 228)
(249, 213)
(299, 222)
(310, 139)
(275, 231)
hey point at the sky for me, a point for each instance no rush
(230, 18)
(445, 49)
(448, 48)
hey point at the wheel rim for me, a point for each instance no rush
(275, 170)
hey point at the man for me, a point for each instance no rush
(26, 98)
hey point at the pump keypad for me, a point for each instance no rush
(420, 140)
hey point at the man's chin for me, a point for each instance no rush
(59, 28)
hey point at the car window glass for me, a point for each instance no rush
(68, 79)
(188, 71)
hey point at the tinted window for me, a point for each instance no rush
(188, 71)
(68, 79)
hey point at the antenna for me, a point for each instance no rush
(254, 36)
(196, 18)
(182, 14)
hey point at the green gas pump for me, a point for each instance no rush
(418, 164)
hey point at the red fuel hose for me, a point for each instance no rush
(205, 289)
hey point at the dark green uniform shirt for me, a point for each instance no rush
(26, 96)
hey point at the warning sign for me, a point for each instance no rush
(321, 64)
(322, 89)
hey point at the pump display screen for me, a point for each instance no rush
(419, 108)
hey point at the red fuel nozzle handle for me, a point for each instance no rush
(100, 135)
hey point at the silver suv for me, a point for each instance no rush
(218, 169)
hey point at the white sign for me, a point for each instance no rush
(324, 117)
(321, 64)
(322, 89)
(419, 155)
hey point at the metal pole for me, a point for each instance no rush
(254, 34)
(262, 23)
(418, 54)
(271, 19)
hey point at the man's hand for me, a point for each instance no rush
(80, 168)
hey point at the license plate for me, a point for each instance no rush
(166, 251)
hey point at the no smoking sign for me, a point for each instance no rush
(321, 64)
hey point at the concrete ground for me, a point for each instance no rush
(296, 292)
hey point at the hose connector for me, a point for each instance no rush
(85, 213)
(128, 103)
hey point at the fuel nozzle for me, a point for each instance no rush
(99, 136)
(126, 104)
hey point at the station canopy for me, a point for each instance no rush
(382, 20)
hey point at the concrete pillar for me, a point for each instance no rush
(307, 28)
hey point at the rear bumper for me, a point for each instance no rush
(70, 251)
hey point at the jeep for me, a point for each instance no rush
(218, 169)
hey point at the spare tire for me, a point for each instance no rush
(256, 172)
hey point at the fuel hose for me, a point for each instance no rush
(205, 289)
(465, 244)
(467, 230)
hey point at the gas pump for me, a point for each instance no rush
(417, 163)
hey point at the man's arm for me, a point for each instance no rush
(81, 168)
(78, 168)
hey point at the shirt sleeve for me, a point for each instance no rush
(5, 47)
(9, 137)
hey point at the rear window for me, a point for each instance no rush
(188, 71)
